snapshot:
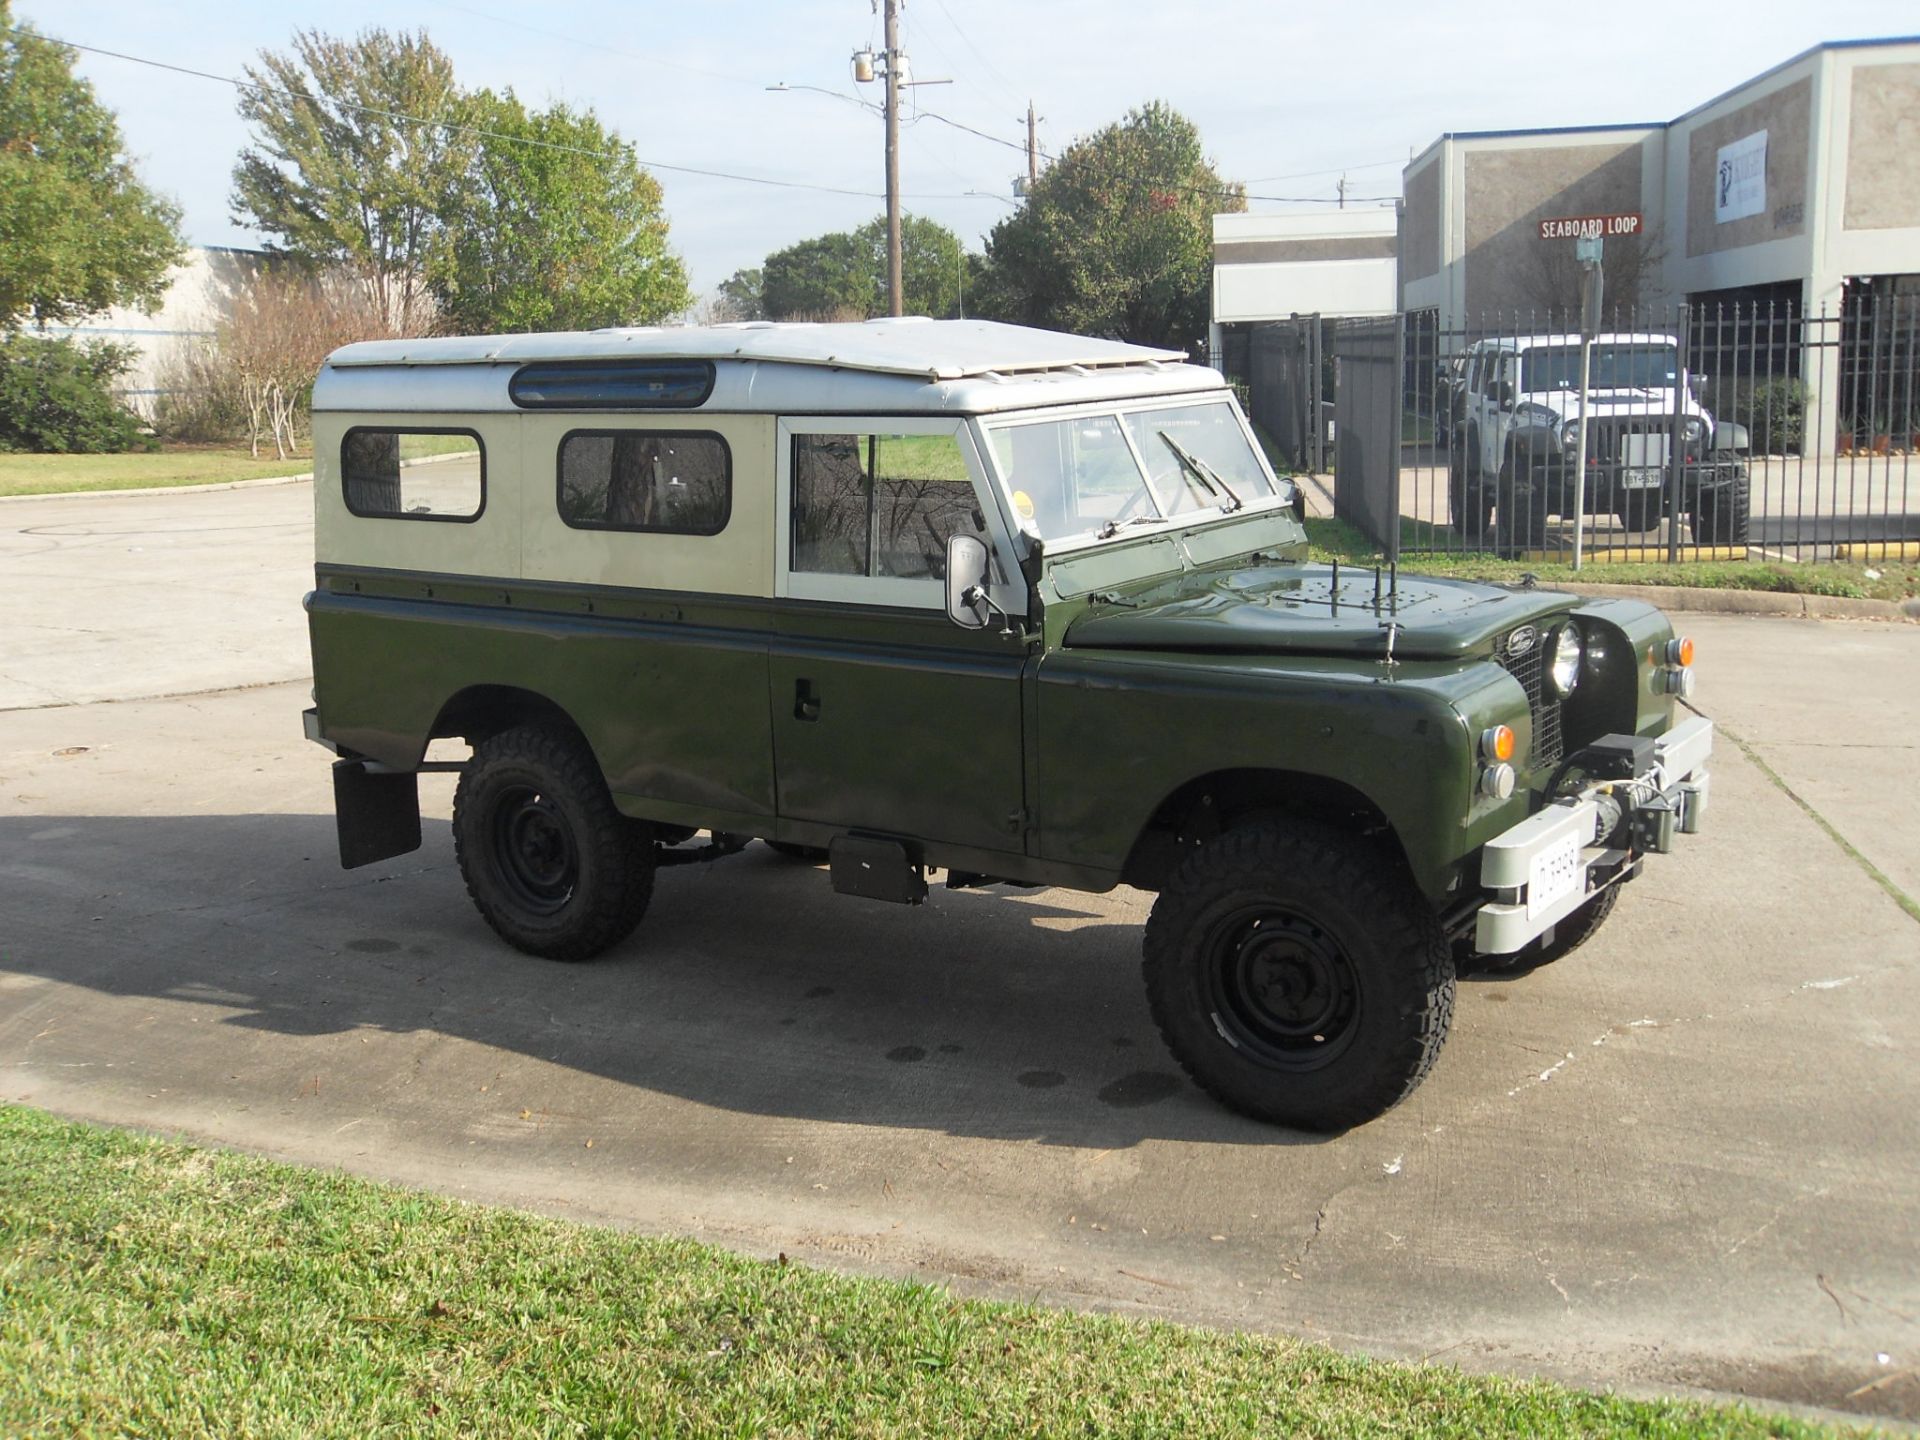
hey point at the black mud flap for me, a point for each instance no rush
(378, 814)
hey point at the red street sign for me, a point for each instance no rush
(1588, 227)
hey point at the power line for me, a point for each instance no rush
(479, 132)
(454, 127)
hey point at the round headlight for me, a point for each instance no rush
(1696, 429)
(1563, 665)
(1570, 434)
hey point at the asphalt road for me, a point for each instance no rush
(1687, 1157)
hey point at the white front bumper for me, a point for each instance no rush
(1540, 870)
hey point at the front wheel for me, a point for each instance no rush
(1719, 517)
(550, 862)
(1298, 977)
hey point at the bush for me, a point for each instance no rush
(201, 396)
(1774, 412)
(56, 397)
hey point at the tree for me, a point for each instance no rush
(279, 331)
(358, 147)
(844, 274)
(1116, 237)
(826, 278)
(742, 296)
(79, 232)
(1550, 276)
(557, 227)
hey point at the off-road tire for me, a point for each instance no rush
(1520, 520)
(1569, 935)
(1240, 1009)
(1469, 507)
(799, 854)
(1639, 511)
(1719, 517)
(551, 864)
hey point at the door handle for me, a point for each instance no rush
(806, 701)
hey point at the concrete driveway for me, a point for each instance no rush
(1687, 1157)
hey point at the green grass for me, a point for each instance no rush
(152, 1288)
(170, 465)
(1889, 580)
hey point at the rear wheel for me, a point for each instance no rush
(1719, 517)
(550, 862)
(1469, 507)
(1297, 976)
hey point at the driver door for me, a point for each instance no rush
(888, 717)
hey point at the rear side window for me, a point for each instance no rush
(669, 482)
(880, 505)
(394, 474)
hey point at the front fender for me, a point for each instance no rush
(1120, 731)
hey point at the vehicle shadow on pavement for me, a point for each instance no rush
(749, 986)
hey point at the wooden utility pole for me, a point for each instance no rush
(1033, 150)
(894, 285)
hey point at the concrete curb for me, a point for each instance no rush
(160, 489)
(1749, 602)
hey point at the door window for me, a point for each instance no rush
(879, 506)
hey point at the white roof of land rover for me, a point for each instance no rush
(909, 363)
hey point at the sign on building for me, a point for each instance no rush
(1740, 184)
(1590, 227)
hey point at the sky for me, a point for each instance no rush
(1288, 97)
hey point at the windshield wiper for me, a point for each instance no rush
(1114, 527)
(1205, 473)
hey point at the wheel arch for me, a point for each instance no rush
(1222, 800)
(479, 712)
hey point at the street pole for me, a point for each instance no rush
(1588, 251)
(1033, 151)
(894, 285)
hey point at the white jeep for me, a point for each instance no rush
(1511, 463)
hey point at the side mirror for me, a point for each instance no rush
(1503, 393)
(967, 603)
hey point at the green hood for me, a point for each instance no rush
(1292, 609)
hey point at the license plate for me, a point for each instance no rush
(1552, 875)
(1636, 479)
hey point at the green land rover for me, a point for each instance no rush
(946, 599)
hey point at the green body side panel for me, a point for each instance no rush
(899, 721)
(654, 683)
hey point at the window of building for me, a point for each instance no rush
(397, 474)
(673, 482)
(880, 506)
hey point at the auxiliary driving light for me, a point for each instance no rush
(1497, 781)
(1497, 743)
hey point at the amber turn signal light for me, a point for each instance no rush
(1680, 651)
(1497, 743)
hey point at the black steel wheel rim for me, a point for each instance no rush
(535, 845)
(1282, 987)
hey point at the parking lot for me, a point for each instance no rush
(1687, 1157)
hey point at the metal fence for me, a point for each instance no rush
(1713, 432)
(1369, 363)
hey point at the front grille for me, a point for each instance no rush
(1529, 667)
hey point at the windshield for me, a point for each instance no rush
(1615, 367)
(1082, 475)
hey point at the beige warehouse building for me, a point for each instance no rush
(1801, 185)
